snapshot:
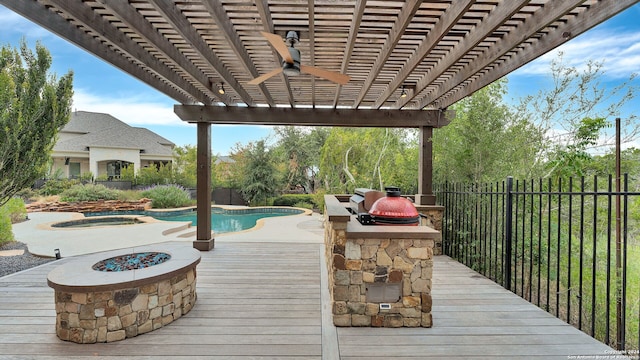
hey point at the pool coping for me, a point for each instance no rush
(180, 225)
(43, 241)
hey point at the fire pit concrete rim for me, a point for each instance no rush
(79, 276)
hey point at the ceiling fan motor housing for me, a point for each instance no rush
(292, 69)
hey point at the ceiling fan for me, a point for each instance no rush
(291, 65)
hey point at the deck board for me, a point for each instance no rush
(267, 301)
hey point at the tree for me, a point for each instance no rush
(573, 158)
(486, 141)
(185, 164)
(371, 158)
(575, 111)
(34, 105)
(258, 181)
(298, 152)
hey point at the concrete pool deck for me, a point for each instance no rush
(41, 239)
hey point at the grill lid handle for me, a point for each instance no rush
(392, 191)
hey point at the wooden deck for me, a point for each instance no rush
(269, 301)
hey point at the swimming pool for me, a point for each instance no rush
(232, 220)
(223, 220)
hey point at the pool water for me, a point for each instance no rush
(223, 221)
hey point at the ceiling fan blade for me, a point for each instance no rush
(277, 43)
(265, 77)
(326, 74)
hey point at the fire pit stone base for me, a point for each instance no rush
(94, 306)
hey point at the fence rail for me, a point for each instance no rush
(571, 247)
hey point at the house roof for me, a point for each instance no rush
(224, 159)
(105, 131)
(439, 50)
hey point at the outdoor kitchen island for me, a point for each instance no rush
(379, 276)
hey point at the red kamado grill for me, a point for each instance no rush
(391, 209)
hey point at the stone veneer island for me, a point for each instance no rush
(379, 276)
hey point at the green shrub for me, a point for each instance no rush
(11, 212)
(27, 194)
(89, 192)
(318, 200)
(86, 177)
(129, 195)
(57, 186)
(128, 174)
(168, 196)
(6, 235)
(304, 205)
(292, 199)
(16, 210)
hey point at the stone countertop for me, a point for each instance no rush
(356, 230)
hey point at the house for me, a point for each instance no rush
(103, 145)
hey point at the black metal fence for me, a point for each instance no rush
(570, 247)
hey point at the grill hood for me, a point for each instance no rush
(393, 209)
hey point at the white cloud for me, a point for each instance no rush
(619, 50)
(12, 23)
(135, 111)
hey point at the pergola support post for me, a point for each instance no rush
(425, 168)
(204, 238)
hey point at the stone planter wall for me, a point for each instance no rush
(106, 316)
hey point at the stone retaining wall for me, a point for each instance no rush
(106, 316)
(90, 206)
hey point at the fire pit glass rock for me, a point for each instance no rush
(131, 261)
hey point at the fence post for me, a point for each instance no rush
(507, 231)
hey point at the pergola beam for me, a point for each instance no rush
(216, 9)
(129, 16)
(582, 22)
(502, 12)
(353, 34)
(42, 16)
(179, 22)
(314, 116)
(93, 21)
(312, 49)
(440, 29)
(404, 20)
(267, 24)
(532, 25)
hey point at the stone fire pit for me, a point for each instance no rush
(114, 295)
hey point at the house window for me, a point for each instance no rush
(114, 168)
(74, 170)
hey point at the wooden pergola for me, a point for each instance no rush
(407, 60)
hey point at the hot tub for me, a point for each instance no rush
(99, 221)
(98, 305)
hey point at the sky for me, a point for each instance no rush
(101, 87)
